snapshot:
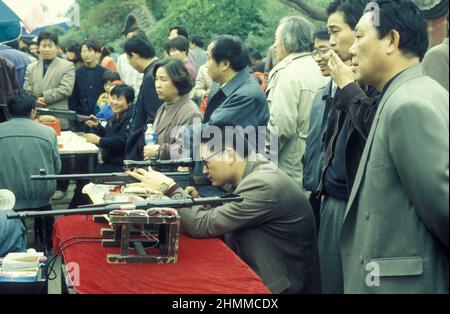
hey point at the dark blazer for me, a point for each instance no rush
(114, 138)
(144, 112)
(168, 121)
(397, 220)
(272, 230)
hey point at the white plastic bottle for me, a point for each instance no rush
(151, 137)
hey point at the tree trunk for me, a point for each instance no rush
(312, 11)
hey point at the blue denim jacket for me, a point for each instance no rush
(12, 235)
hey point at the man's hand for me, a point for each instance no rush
(151, 180)
(151, 151)
(92, 122)
(41, 102)
(92, 138)
(341, 73)
(192, 192)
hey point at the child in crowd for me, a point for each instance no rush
(102, 107)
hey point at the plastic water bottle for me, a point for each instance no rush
(151, 137)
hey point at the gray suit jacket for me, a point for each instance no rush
(272, 230)
(56, 86)
(168, 122)
(397, 219)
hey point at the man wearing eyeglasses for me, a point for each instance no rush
(321, 108)
(272, 229)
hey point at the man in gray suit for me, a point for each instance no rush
(395, 233)
(51, 78)
(272, 230)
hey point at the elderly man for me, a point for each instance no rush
(435, 63)
(27, 147)
(272, 230)
(395, 233)
(51, 78)
(292, 86)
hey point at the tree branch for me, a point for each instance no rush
(314, 12)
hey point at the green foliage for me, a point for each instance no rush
(102, 20)
(254, 21)
(211, 18)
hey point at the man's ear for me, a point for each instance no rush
(230, 156)
(392, 41)
(33, 114)
(225, 65)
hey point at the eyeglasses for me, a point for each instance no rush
(321, 52)
(209, 158)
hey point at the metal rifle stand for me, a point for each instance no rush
(157, 229)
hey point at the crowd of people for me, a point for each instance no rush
(357, 201)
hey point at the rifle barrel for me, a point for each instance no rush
(159, 163)
(171, 203)
(100, 176)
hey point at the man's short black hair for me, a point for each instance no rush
(322, 34)
(198, 41)
(179, 43)
(48, 35)
(181, 30)
(143, 48)
(139, 33)
(230, 48)
(230, 136)
(352, 10)
(166, 48)
(406, 18)
(256, 55)
(110, 76)
(21, 104)
(74, 47)
(178, 74)
(125, 91)
(92, 44)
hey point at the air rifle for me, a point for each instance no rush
(66, 114)
(106, 209)
(182, 178)
(159, 165)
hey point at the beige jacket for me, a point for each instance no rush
(293, 84)
(56, 86)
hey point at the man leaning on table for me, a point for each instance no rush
(272, 229)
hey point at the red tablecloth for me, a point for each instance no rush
(205, 266)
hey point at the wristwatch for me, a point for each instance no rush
(164, 188)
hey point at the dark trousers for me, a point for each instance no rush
(43, 227)
(66, 166)
(315, 205)
(81, 167)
